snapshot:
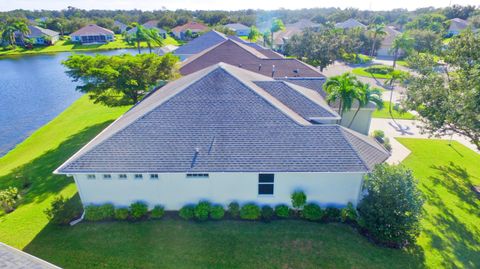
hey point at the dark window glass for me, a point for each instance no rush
(265, 189)
(264, 178)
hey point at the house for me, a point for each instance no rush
(122, 27)
(292, 70)
(92, 34)
(194, 27)
(385, 49)
(238, 28)
(150, 25)
(224, 134)
(281, 38)
(457, 25)
(41, 36)
(199, 44)
(13, 258)
(349, 24)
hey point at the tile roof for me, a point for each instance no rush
(92, 29)
(457, 24)
(265, 51)
(194, 26)
(36, 31)
(239, 54)
(237, 26)
(350, 23)
(219, 120)
(201, 43)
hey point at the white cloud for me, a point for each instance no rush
(225, 4)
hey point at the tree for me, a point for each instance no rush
(459, 11)
(426, 41)
(254, 34)
(450, 102)
(344, 89)
(277, 25)
(391, 209)
(377, 30)
(10, 30)
(395, 76)
(153, 37)
(402, 42)
(120, 80)
(364, 96)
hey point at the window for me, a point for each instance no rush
(265, 184)
(153, 176)
(197, 175)
(90, 176)
(107, 176)
(122, 176)
(138, 176)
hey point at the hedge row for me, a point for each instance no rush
(136, 211)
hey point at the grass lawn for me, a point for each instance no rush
(448, 239)
(66, 45)
(385, 114)
(451, 226)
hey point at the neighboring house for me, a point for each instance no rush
(167, 49)
(224, 134)
(91, 34)
(194, 27)
(200, 44)
(122, 27)
(457, 25)
(238, 28)
(12, 258)
(256, 59)
(349, 24)
(280, 38)
(150, 25)
(41, 36)
(385, 49)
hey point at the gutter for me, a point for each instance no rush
(74, 222)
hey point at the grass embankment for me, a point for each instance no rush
(450, 238)
(66, 45)
(34, 160)
(385, 113)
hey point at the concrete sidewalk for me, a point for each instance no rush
(408, 129)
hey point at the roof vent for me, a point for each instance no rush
(296, 72)
(195, 155)
(259, 67)
(273, 70)
(240, 65)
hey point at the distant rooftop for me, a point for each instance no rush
(92, 29)
(12, 258)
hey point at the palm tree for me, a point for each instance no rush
(140, 36)
(8, 34)
(344, 89)
(366, 95)
(377, 30)
(254, 34)
(402, 42)
(396, 76)
(152, 36)
(277, 25)
(21, 28)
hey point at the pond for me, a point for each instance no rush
(34, 89)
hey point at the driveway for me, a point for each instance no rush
(408, 129)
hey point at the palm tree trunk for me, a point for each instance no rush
(138, 46)
(354, 115)
(373, 45)
(395, 55)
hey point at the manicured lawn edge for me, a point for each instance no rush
(385, 114)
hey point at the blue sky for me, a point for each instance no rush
(227, 5)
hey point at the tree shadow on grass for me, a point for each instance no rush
(453, 237)
(36, 178)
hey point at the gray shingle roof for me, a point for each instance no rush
(36, 31)
(219, 120)
(11, 258)
(201, 43)
(236, 26)
(92, 29)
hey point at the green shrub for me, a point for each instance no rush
(234, 210)
(138, 210)
(186, 212)
(63, 211)
(379, 135)
(299, 199)
(250, 212)
(157, 212)
(202, 210)
(121, 213)
(386, 144)
(217, 212)
(353, 58)
(312, 212)
(267, 213)
(391, 209)
(379, 69)
(8, 199)
(282, 211)
(100, 212)
(332, 214)
(348, 214)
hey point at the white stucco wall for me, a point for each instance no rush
(176, 190)
(362, 121)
